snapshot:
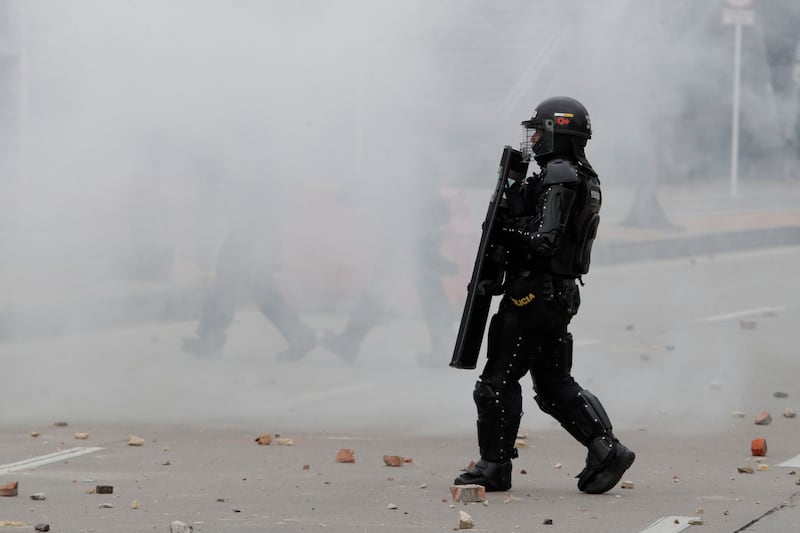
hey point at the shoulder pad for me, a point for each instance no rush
(560, 171)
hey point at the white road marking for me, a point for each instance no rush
(586, 342)
(670, 524)
(794, 462)
(740, 314)
(55, 457)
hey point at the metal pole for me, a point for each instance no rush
(737, 67)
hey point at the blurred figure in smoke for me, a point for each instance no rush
(417, 251)
(548, 226)
(247, 265)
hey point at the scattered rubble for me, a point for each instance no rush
(34, 434)
(105, 506)
(393, 460)
(763, 467)
(696, 522)
(135, 504)
(789, 413)
(306, 467)
(104, 489)
(468, 493)
(465, 520)
(12, 523)
(38, 496)
(745, 469)
(391, 506)
(763, 418)
(9, 489)
(547, 521)
(133, 440)
(627, 485)
(41, 527)
(284, 441)
(758, 447)
(264, 440)
(60, 424)
(519, 443)
(346, 455)
(81, 436)
(180, 527)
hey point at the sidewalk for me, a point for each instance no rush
(705, 220)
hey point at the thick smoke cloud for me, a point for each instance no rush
(145, 128)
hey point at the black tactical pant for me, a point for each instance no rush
(528, 334)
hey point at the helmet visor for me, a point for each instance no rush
(538, 138)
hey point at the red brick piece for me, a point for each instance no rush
(759, 447)
(393, 460)
(468, 493)
(9, 489)
(346, 455)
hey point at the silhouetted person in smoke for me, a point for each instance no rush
(547, 227)
(247, 263)
(419, 249)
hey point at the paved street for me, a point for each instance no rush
(684, 358)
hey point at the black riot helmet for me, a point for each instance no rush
(559, 126)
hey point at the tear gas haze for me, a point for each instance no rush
(136, 134)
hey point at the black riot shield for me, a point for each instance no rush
(487, 275)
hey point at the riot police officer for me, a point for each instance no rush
(548, 224)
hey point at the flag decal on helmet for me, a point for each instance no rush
(569, 115)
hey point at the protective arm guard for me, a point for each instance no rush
(542, 234)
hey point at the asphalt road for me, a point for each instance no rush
(683, 353)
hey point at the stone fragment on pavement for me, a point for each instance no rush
(627, 485)
(34, 434)
(104, 489)
(745, 470)
(468, 493)
(106, 506)
(38, 496)
(763, 418)
(135, 504)
(391, 506)
(465, 520)
(284, 441)
(346, 455)
(763, 468)
(9, 489)
(60, 424)
(264, 440)
(41, 527)
(133, 440)
(519, 443)
(789, 413)
(82, 435)
(180, 527)
(393, 460)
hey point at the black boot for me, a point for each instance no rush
(493, 476)
(606, 463)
